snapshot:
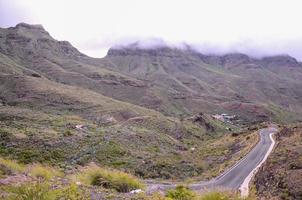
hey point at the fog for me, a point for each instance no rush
(254, 27)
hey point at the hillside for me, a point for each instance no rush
(172, 81)
(186, 81)
(280, 177)
(146, 111)
(60, 107)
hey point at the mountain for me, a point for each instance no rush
(147, 111)
(61, 107)
(186, 81)
(172, 81)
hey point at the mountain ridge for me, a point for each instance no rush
(221, 59)
(159, 113)
(135, 46)
(170, 80)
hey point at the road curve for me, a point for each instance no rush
(240, 173)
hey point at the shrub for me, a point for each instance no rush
(73, 192)
(67, 133)
(120, 181)
(181, 193)
(4, 135)
(154, 196)
(42, 190)
(234, 134)
(8, 167)
(215, 196)
(30, 191)
(28, 156)
(43, 172)
(36, 75)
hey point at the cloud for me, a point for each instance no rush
(12, 13)
(255, 27)
(255, 48)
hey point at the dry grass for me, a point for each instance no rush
(183, 193)
(10, 166)
(44, 172)
(43, 190)
(109, 179)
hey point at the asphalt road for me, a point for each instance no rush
(234, 177)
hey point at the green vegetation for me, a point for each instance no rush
(8, 167)
(44, 172)
(216, 196)
(281, 115)
(135, 111)
(109, 179)
(44, 191)
(36, 181)
(181, 193)
(147, 146)
(30, 191)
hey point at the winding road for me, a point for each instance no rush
(240, 174)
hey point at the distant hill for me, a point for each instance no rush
(61, 107)
(144, 110)
(172, 81)
(187, 81)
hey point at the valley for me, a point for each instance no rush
(145, 115)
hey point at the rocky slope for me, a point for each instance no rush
(136, 109)
(171, 81)
(281, 176)
(186, 81)
(61, 107)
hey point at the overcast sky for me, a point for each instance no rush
(256, 27)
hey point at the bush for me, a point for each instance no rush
(28, 156)
(67, 133)
(42, 190)
(215, 196)
(181, 193)
(4, 135)
(120, 181)
(154, 196)
(73, 192)
(43, 172)
(8, 167)
(30, 191)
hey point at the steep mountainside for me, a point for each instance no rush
(168, 80)
(136, 107)
(187, 81)
(61, 107)
(281, 175)
(144, 111)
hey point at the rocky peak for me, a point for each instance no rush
(227, 60)
(136, 50)
(25, 40)
(280, 61)
(29, 31)
(236, 59)
(232, 59)
(29, 26)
